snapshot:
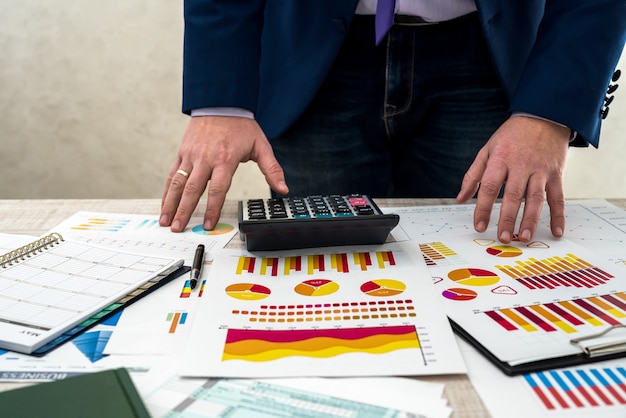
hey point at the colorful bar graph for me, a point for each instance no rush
(339, 262)
(536, 319)
(518, 320)
(500, 320)
(385, 257)
(292, 264)
(579, 389)
(101, 224)
(175, 319)
(552, 272)
(245, 264)
(329, 312)
(315, 263)
(539, 392)
(585, 376)
(558, 322)
(597, 312)
(564, 314)
(363, 260)
(272, 263)
(435, 251)
(567, 316)
(186, 292)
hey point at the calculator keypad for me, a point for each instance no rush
(313, 221)
(311, 207)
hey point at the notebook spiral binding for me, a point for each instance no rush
(29, 249)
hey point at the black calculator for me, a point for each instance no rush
(313, 221)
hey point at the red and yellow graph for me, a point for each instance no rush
(329, 312)
(340, 262)
(316, 263)
(247, 291)
(385, 258)
(246, 264)
(292, 264)
(316, 287)
(434, 252)
(552, 272)
(565, 316)
(269, 345)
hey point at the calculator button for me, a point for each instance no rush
(256, 215)
(364, 210)
(358, 201)
(277, 208)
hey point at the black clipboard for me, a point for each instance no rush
(588, 353)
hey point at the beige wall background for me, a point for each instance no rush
(90, 105)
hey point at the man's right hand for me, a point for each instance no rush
(210, 152)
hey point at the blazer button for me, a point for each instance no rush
(616, 75)
(604, 112)
(339, 24)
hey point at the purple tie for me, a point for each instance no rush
(384, 18)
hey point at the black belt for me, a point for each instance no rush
(408, 20)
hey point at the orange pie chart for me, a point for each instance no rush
(316, 287)
(473, 277)
(383, 287)
(504, 251)
(247, 291)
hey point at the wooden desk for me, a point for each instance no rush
(34, 217)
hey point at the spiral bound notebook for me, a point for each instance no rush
(52, 288)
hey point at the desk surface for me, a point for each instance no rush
(34, 217)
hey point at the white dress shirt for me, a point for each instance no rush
(429, 10)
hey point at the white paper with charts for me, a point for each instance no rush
(325, 312)
(526, 301)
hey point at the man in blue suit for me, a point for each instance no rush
(481, 95)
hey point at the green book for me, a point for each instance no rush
(109, 394)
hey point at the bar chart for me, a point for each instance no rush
(565, 316)
(579, 389)
(556, 271)
(329, 312)
(311, 264)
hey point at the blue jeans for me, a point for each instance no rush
(404, 119)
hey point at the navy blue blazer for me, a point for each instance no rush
(554, 58)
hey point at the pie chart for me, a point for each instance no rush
(473, 277)
(383, 287)
(219, 229)
(316, 287)
(459, 294)
(247, 291)
(504, 251)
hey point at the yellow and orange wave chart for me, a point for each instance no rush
(269, 345)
